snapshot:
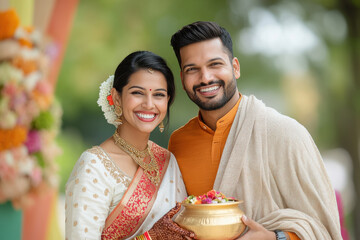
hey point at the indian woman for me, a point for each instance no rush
(128, 187)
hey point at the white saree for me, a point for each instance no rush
(97, 189)
(279, 173)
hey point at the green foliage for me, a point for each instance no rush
(40, 159)
(45, 120)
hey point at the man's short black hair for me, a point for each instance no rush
(200, 31)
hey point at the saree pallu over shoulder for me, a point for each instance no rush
(137, 201)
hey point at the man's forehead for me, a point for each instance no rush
(203, 51)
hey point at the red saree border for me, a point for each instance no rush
(137, 201)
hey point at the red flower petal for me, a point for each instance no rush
(110, 100)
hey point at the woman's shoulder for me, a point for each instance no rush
(96, 158)
(95, 151)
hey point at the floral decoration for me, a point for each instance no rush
(211, 197)
(30, 116)
(106, 102)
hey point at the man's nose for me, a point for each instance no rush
(206, 75)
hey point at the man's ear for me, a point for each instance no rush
(236, 67)
(116, 97)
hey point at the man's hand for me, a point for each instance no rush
(165, 228)
(256, 231)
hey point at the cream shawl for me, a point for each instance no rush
(278, 172)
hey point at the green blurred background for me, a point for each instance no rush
(300, 57)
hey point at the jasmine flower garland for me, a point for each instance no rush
(103, 101)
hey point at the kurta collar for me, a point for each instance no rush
(226, 120)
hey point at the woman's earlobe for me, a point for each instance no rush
(115, 96)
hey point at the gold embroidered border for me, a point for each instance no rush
(136, 202)
(119, 176)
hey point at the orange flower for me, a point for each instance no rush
(9, 21)
(10, 138)
(43, 100)
(29, 29)
(27, 66)
(25, 42)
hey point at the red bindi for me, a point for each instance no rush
(150, 89)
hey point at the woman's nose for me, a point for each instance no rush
(148, 102)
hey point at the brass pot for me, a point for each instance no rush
(219, 221)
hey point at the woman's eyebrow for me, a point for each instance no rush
(158, 89)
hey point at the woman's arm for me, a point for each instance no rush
(88, 197)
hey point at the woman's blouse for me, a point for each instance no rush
(96, 185)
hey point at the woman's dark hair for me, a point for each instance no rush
(200, 31)
(144, 60)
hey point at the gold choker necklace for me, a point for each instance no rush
(151, 169)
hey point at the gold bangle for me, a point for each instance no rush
(144, 236)
(140, 237)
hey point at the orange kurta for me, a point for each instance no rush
(198, 151)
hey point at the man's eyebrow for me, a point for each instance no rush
(188, 65)
(217, 58)
(211, 60)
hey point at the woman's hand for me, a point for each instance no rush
(165, 228)
(256, 231)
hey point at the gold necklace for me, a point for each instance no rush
(151, 169)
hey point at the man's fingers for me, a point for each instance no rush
(249, 222)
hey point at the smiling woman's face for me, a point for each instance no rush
(144, 100)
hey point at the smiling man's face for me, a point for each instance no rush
(208, 75)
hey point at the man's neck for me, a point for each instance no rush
(210, 118)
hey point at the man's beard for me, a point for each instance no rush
(228, 93)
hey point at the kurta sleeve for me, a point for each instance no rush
(88, 197)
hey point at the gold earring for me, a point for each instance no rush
(118, 113)
(161, 127)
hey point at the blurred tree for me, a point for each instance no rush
(345, 101)
(336, 24)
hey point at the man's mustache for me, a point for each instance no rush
(220, 82)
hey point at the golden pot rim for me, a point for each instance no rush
(236, 202)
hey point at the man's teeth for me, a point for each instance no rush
(209, 89)
(147, 116)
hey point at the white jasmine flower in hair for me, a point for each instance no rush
(105, 101)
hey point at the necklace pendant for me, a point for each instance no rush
(151, 169)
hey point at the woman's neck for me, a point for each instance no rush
(135, 138)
